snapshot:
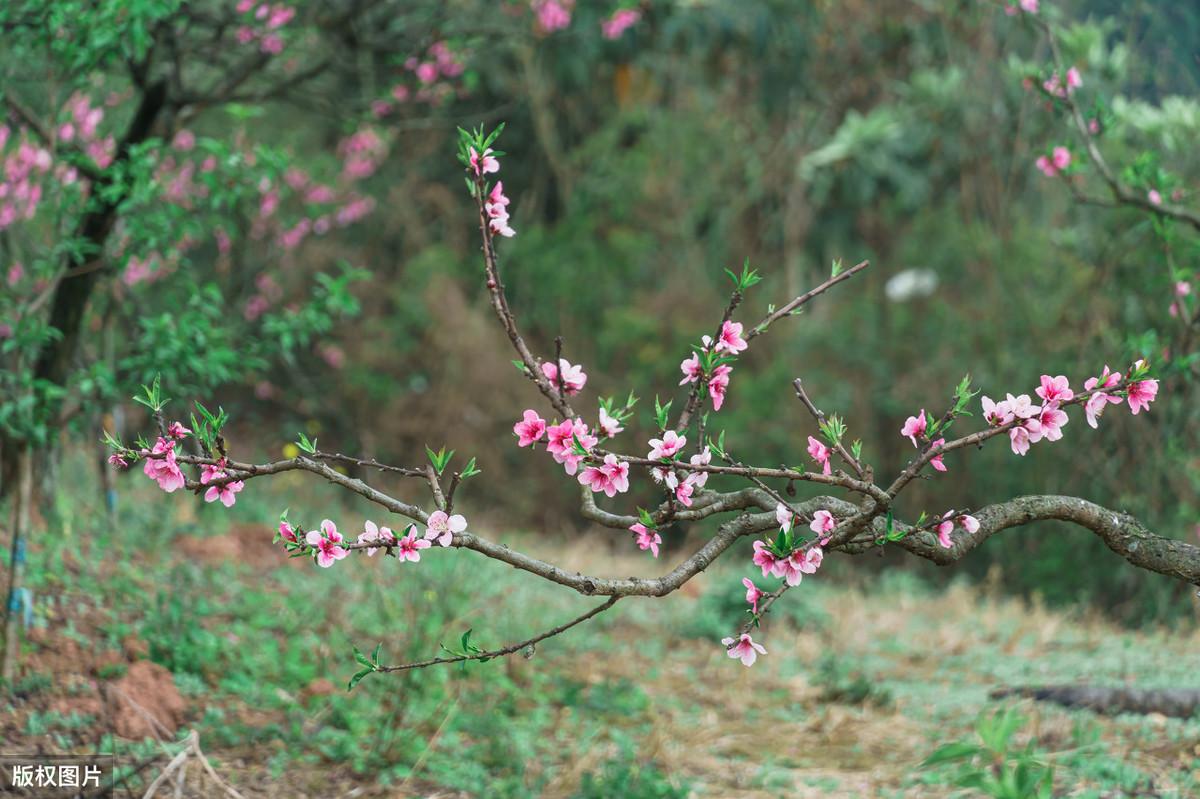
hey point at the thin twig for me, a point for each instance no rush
(511, 648)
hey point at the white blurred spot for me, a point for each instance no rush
(910, 284)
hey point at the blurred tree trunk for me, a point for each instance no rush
(16, 563)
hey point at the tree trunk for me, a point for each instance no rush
(1175, 702)
(16, 565)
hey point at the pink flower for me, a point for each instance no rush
(1022, 407)
(116, 460)
(1029, 6)
(427, 72)
(409, 547)
(752, 594)
(372, 534)
(611, 477)
(718, 384)
(691, 369)
(1050, 422)
(1074, 81)
(496, 207)
(280, 16)
(608, 425)
(184, 140)
(731, 341)
(646, 539)
(225, 492)
(1019, 438)
(442, 528)
(946, 527)
(785, 516)
(326, 543)
(1045, 167)
(1055, 389)
(560, 442)
(530, 429)
(552, 15)
(164, 471)
(573, 377)
(744, 649)
(823, 523)
(702, 458)
(1061, 158)
(819, 453)
(996, 413)
(287, 532)
(667, 446)
(685, 489)
(1182, 288)
(1154, 197)
(765, 559)
(1141, 394)
(914, 426)
(936, 460)
(791, 568)
(809, 560)
(483, 164)
(1096, 402)
(177, 430)
(619, 22)
(271, 44)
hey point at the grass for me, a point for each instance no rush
(861, 684)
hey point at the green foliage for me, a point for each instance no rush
(624, 776)
(840, 682)
(996, 766)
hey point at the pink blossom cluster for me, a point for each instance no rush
(552, 15)
(29, 170)
(263, 23)
(647, 538)
(25, 169)
(1063, 87)
(789, 566)
(432, 79)
(163, 470)
(946, 526)
(573, 377)
(729, 343)
(362, 152)
(267, 295)
(496, 204)
(1028, 6)
(681, 488)
(323, 206)
(1183, 288)
(1057, 162)
(143, 269)
(326, 544)
(226, 492)
(622, 20)
(1034, 423)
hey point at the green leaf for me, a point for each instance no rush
(959, 750)
(357, 678)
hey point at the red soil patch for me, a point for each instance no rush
(145, 702)
(244, 543)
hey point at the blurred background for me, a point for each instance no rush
(264, 207)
